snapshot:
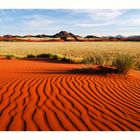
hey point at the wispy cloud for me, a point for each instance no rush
(80, 21)
(99, 18)
(126, 28)
(131, 22)
(101, 14)
(38, 21)
(88, 25)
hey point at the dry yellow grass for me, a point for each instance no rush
(73, 50)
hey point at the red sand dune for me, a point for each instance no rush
(37, 95)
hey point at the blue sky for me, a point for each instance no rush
(83, 22)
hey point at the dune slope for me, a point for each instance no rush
(37, 95)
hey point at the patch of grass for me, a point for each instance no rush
(31, 56)
(137, 65)
(99, 60)
(43, 55)
(56, 56)
(8, 56)
(65, 59)
(123, 63)
(50, 56)
(96, 59)
(77, 60)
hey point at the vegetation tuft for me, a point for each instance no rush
(30, 56)
(9, 56)
(97, 60)
(123, 63)
(43, 55)
(50, 56)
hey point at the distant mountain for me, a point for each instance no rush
(134, 36)
(68, 36)
(119, 36)
(91, 36)
(61, 34)
(11, 36)
(26, 36)
(108, 37)
(65, 35)
(43, 36)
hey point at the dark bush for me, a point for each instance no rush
(30, 56)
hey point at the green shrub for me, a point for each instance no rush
(30, 56)
(65, 59)
(56, 57)
(59, 57)
(50, 56)
(43, 55)
(8, 56)
(123, 63)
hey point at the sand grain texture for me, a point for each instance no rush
(37, 95)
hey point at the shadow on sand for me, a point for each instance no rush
(86, 70)
(100, 70)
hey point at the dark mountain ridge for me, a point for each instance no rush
(68, 36)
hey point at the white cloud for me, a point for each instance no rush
(111, 14)
(133, 21)
(93, 24)
(38, 21)
(126, 28)
(99, 18)
(128, 23)
(104, 13)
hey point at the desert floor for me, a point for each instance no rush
(41, 95)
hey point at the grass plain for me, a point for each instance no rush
(73, 50)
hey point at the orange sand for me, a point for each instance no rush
(37, 95)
